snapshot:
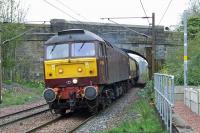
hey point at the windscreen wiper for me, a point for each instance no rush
(54, 46)
(81, 46)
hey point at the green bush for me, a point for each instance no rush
(29, 91)
(148, 91)
(174, 64)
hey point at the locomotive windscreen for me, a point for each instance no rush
(78, 49)
(57, 51)
(83, 49)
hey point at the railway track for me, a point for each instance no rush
(24, 114)
(68, 116)
(31, 112)
(82, 123)
(44, 125)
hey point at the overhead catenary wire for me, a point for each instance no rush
(75, 12)
(165, 12)
(125, 17)
(144, 11)
(62, 11)
(37, 21)
(142, 34)
(17, 36)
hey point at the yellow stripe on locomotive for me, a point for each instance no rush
(70, 68)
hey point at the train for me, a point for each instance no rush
(82, 70)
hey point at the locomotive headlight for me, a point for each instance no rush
(79, 69)
(60, 70)
(75, 81)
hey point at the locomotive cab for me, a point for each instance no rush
(70, 60)
(70, 69)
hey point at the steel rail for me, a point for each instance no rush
(49, 122)
(25, 117)
(82, 123)
(22, 111)
(43, 125)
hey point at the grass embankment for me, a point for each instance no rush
(21, 93)
(147, 121)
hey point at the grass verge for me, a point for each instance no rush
(22, 93)
(147, 120)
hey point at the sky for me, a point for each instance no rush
(94, 10)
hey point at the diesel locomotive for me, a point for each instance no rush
(81, 70)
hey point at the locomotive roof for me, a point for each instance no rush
(74, 35)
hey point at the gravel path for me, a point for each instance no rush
(113, 115)
(191, 119)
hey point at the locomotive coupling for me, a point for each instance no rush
(90, 92)
(49, 95)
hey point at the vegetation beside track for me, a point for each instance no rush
(148, 121)
(174, 62)
(22, 92)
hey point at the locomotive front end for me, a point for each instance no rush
(70, 71)
(67, 76)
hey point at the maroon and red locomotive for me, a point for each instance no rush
(83, 70)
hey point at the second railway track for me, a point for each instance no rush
(21, 115)
(10, 122)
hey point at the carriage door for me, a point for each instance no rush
(104, 63)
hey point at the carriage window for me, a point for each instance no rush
(83, 49)
(57, 51)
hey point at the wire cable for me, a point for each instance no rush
(62, 11)
(142, 34)
(17, 36)
(144, 11)
(75, 12)
(126, 17)
(165, 12)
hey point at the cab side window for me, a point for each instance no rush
(100, 50)
(103, 47)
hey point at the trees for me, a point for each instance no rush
(174, 61)
(12, 16)
(193, 26)
(194, 8)
(194, 18)
(12, 11)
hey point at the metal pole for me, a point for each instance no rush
(153, 44)
(0, 69)
(11, 11)
(185, 50)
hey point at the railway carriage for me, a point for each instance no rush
(81, 70)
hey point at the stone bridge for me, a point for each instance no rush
(29, 54)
